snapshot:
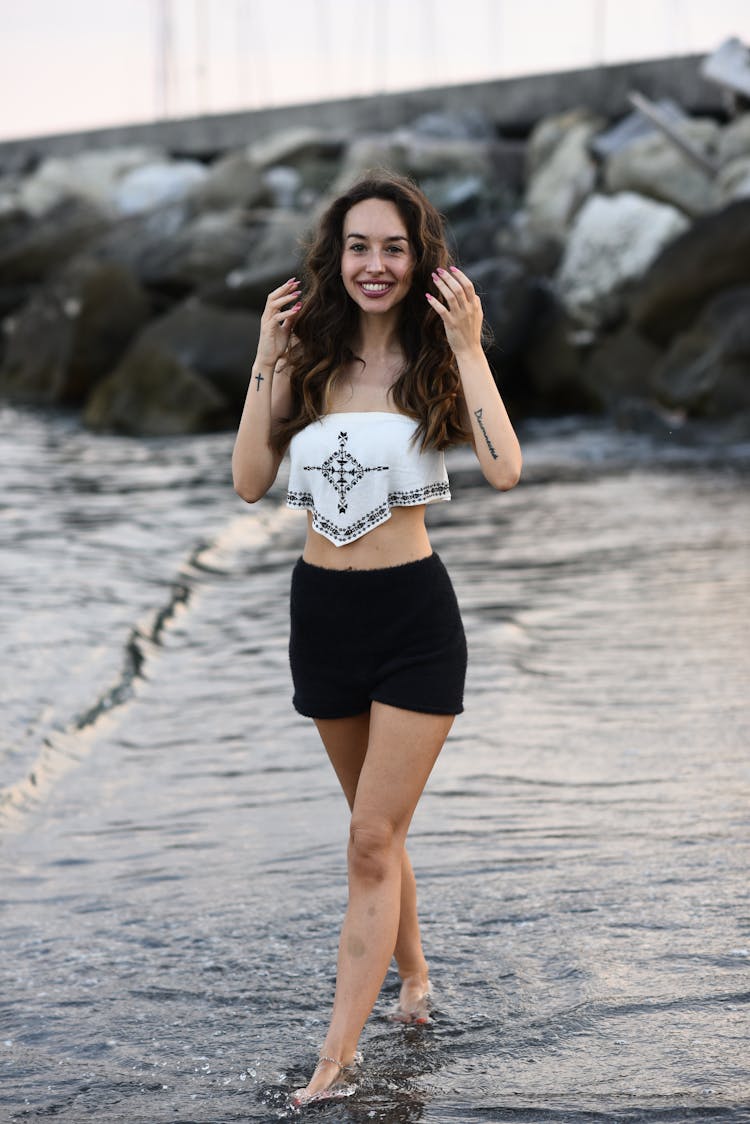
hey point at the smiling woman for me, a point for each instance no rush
(366, 380)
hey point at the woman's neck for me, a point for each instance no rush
(377, 337)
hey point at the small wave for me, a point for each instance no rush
(64, 747)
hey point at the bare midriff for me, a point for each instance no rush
(402, 538)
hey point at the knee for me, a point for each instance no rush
(373, 850)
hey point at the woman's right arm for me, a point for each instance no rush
(254, 463)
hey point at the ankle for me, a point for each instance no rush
(325, 1060)
(415, 974)
(340, 1055)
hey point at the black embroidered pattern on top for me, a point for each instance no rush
(343, 471)
(344, 534)
(355, 530)
(439, 491)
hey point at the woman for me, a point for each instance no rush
(366, 380)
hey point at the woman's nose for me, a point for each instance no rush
(375, 262)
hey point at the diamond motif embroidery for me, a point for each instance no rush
(343, 471)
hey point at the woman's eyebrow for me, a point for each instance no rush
(388, 237)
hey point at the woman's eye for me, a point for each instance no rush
(357, 247)
(395, 250)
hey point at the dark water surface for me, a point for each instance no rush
(172, 863)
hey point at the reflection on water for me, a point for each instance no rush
(174, 874)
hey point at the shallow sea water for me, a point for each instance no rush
(173, 842)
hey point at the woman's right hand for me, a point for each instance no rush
(277, 322)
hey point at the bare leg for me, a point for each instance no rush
(401, 750)
(346, 741)
(413, 1001)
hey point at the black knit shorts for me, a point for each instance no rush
(391, 635)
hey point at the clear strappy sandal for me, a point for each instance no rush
(337, 1089)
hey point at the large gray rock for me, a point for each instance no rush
(634, 126)
(187, 372)
(280, 243)
(202, 251)
(561, 173)
(518, 238)
(273, 256)
(151, 393)
(713, 254)
(612, 242)
(157, 184)
(734, 139)
(31, 250)
(71, 334)
(426, 157)
(552, 359)
(547, 135)
(218, 344)
(474, 236)
(655, 167)
(232, 181)
(707, 368)
(621, 366)
(733, 181)
(506, 291)
(12, 298)
(14, 293)
(537, 365)
(362, 155)
(284, 185)
(10, 206)
(38, 340)
(92, 176)
(436, 157)
(646, 416)
(136, 241)
(466, 124)
(456, 197)
(297, 165)
(295, 147)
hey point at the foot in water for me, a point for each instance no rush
(330, 1080)
(413, 1001)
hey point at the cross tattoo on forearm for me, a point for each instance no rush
(259, 379)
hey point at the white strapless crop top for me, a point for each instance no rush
(350, 469)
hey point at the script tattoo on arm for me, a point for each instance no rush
(259, 379)
(490, 446)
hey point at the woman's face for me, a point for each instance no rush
(377, 259)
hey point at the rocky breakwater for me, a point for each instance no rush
(614, 268)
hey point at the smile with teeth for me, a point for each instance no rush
(374, 288)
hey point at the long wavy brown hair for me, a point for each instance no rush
(428, 388)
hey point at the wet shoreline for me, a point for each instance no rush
(173, 883)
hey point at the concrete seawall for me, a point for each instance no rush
(514, 104)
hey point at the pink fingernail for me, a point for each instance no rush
(429, 296)
(454, 269)
(441, 270)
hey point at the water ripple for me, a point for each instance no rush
(173, 865)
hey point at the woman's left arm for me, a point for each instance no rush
(495, 441)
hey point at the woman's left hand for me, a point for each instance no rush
(462, 312)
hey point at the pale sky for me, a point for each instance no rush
(78, 64)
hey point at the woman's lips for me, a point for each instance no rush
(375, 288)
